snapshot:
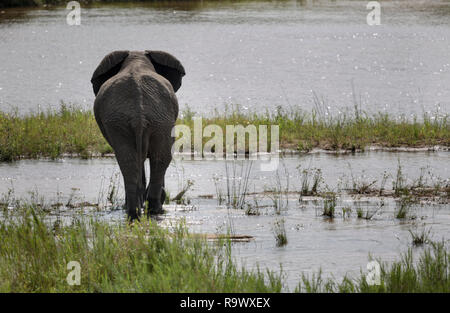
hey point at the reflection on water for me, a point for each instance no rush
(253, 53)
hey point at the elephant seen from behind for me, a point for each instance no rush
(136, 108)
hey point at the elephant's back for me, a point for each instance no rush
(159, 101)
(135, 96)
(117, 99)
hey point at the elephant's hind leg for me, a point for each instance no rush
(123, 143)
(160, 157)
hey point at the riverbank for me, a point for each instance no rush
(72, 131)
(50, 3)
(33, 3)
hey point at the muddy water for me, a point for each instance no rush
(259, 54)
(339, 246)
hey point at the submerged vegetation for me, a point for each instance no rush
(420, 237)
(73, 131)
(279, 231)
(329, 206)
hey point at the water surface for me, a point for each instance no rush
(258, 54)
(339, 246)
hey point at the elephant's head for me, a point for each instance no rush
(164, 63)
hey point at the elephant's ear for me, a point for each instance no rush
(108, 67)
(168, 66)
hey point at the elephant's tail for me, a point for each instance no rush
(141, 155)
(139, 134)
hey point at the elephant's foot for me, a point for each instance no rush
(134, 215)
(133, 218)
(154, 207)
(153, 204)
(133, 205)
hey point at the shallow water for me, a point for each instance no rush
(256, 54)
(339, 246)
(89, 177)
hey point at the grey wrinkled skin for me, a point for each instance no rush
(136, 109)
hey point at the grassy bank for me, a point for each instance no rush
(300, 130)
(74, 131)
(146, 258)
(50, 134)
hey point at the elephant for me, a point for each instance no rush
(136, 108)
